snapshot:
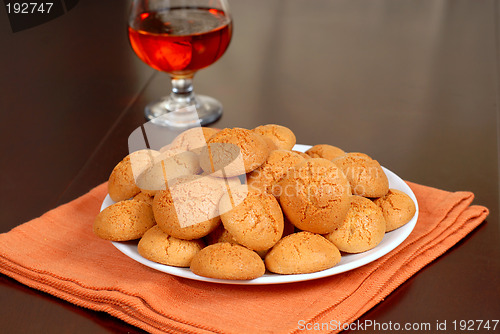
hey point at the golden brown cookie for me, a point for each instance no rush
(282, 137)
(270, 143)
(168, 166)
(398, 208)
(125, 220)
(360, 155)
(302, 253)
(144, 197)
(302, 154)
(193, 139)
(226, 260)
(220, 234)
(233, 152)
(363, 227)
(315, 196)
(157, 246)
(366, 176)
(325, 151)
(121, 185)
(256, 222)
(190, 209)
(277, 165)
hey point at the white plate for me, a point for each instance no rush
(348, 262)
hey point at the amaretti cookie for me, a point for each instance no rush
(168, 166)
(227, 261)
(301, 253)
(366, 176)
(123, 221)
(121, 183)
(280, 137)
(189, 209)
(398, 208)
(157, 246)
(363, 227)
(277, 165)
(315, 196)
(302, 154)
(144, 197)
(256, 222)
(325, 151)
(233, 152)
(193, 139)
(220, 234)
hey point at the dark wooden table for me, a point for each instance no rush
(415, 84)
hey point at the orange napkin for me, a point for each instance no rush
(58, 254)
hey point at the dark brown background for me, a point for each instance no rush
(412, 83)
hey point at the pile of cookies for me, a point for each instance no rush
(233, 203)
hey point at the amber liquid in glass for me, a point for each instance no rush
(180, 41)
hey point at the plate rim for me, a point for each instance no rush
(129, 248)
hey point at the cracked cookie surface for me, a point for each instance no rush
(256, 222)
(325, 151)
(157, 246)
(301, 253)
(277, 165)
(124, 221)
(366, 176)
(121, 183)
(189, 208)
(193, 139)
(277, 136)
(315, 196)
(398, 208)
(233, 152)
(226, 260)
(363, 227)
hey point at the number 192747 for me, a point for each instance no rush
(29, 7)
(474, 325)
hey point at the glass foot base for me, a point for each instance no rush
(168, 113)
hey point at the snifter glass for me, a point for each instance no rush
(180, 37)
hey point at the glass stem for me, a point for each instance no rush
(182, 91)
